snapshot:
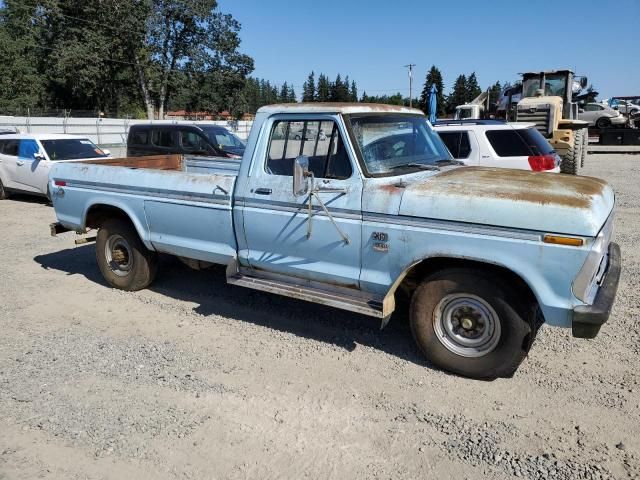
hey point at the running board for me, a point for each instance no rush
(371, 307)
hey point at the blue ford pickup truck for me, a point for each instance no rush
(357, 206)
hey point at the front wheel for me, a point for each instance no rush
(124, 261)
(469, 323)
(572, 160)
(603, 122)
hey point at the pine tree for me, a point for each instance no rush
(324, 88)
(458, 94)
(364, 98)
(434, 77)
(292, 95)
(309, 89)
(472, 87)
(354, 92)
(284, 93)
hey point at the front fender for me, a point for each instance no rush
(548, 270)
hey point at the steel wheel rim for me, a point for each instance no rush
(119, 256)
(466, 325)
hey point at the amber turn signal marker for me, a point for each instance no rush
(571, 241)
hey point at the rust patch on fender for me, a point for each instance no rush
(518, 185)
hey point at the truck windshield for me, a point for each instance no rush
(554, 85)
(71, 149)
(394, 144)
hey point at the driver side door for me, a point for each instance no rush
(281, 236)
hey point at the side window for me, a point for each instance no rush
(163, 138)
(11, 148)
(140, 137)
(191, 141)
(320, 141)
(507, 143)
(457, 143)
(2, 144)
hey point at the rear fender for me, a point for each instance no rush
(136, 218)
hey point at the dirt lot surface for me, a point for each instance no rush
(196, 379)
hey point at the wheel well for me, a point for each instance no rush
(430, 266)
(97, 214)
(528, 306)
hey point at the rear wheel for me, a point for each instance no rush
(603, 122)
(470, 324)
(123, 259)
(572, 160)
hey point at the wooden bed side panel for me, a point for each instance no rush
(153, 162)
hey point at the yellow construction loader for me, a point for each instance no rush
(547, 102)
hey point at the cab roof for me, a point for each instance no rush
(547, 72)
(344, 108)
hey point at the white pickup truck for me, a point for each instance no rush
(375, 211)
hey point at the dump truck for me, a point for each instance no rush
(547, 101)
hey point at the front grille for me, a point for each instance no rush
(540, 117)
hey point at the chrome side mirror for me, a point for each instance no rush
(300, 176)
(39, 156)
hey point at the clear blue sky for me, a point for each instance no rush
(371, 40)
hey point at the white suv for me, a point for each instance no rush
(25, 160)
(493, 143)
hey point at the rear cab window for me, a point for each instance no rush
(319, 140)
(519, 142)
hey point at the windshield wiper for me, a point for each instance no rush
(421, 166)
(449, 162)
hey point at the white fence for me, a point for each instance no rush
(107, 132)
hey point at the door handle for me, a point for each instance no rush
(20, 163)
(263, 191)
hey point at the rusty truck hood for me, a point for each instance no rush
(519, 199)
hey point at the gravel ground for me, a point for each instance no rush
(197, 379)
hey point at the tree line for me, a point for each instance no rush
(140, 57)
(145, 57)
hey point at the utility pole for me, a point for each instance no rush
(410, 67)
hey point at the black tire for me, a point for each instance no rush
(124, 261)
(510, 336)
(603, 122)
(297, 137)
(3, 193)
(573, 158)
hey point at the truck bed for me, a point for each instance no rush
(178, 204)
(177, 163)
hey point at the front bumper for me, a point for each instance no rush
(587, 319)
(618, 120)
